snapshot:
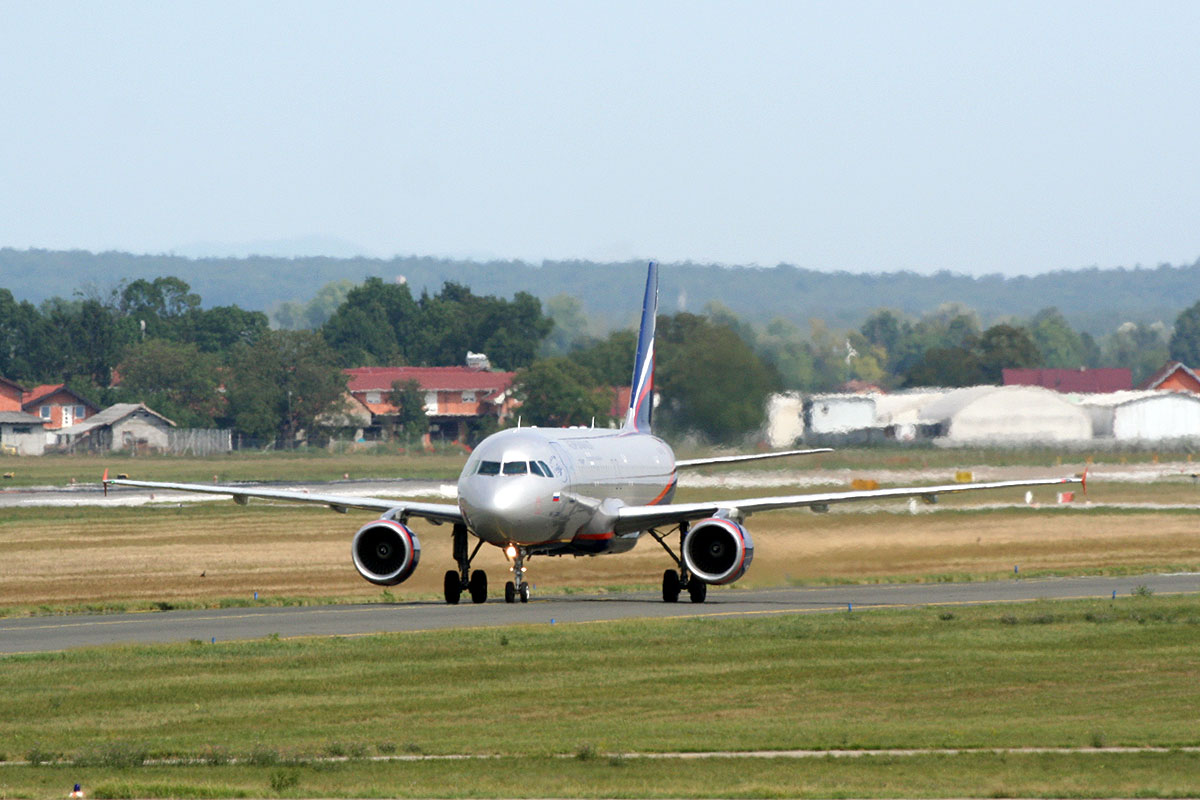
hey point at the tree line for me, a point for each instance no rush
(153, 341)
(1094, 300)
(715, 370)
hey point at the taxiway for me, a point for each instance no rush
(42, 634)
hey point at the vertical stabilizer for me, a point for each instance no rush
(641, 399)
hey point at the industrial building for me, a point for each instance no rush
(1006, 415)
(1145, 415)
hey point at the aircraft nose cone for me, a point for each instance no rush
(479, 504)
(504, 510)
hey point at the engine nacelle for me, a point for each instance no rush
(385, 552)
(718, 550)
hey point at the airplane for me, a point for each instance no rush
(577, 491)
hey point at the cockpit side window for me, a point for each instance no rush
(488, 468)
(516, 467)
(546, 469)
(536, 469)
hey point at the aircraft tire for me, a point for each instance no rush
(524, 592)
(698, 590)
(478, 586)
(671, 586)
(452, 587)
(510, 592)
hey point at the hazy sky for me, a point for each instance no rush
(1013, 137)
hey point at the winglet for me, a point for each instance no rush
(641, 398)
(1083, 482)
(104, 481)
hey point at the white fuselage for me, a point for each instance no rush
(557, 489)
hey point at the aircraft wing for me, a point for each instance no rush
(435, 512)
(634, 518)
(700, 462)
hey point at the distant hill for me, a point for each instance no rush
(1093, 299)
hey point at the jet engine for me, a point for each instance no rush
(385, 552)
(717, 550)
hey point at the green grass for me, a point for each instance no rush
(933, 776)
(556, 704)
(1043, 674)
(297, 465)
(392, 461)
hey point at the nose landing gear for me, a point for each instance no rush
(517, 587)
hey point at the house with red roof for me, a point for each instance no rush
(57, 405)
(11, 393)
(1174, 376)
(453, 395)
(1088, 381)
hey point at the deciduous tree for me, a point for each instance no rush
(279, 385)
(710, 381)
(176, 379)
(409, 401)
(556, 392)
(1185, 338)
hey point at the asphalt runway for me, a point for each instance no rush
(43, 634)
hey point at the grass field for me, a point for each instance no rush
(394, 462)
(1085, 674)
(553, 705)
(928, 776)
(303, 465)
(220, 554)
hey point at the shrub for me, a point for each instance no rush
(116, 755)
(283, 779)
(263, 756)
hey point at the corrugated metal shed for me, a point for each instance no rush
(23, 433)
(839, 413)
(123, 426)
(1146, 415)
(785, 419)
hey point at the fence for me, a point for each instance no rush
(199, 441)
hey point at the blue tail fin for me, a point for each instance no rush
(641, 398)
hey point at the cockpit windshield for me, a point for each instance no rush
(539, 468)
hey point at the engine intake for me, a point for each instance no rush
(385, 552)
(718, 550)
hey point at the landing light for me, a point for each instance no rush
(510, 551)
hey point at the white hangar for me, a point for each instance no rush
(1007, 415)
(1143, 415)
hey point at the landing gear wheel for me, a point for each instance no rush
(671, 586)
(452, 587)
(524, 592)
(510, 592)
(698, 590)
(478, 586)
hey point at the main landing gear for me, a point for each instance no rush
(517, 587)
(462, 579)
(675, 581)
